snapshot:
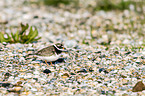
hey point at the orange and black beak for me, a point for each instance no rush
(64, 49)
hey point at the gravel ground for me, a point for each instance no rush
(101, 60)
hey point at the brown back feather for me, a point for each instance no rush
(46, 52)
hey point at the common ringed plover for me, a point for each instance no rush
(50, 53)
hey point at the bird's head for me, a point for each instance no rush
(60, 47)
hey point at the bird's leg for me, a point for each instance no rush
(51, 63)
(46, 63)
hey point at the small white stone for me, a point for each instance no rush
(126, 41)
(33, 89)
(70, 43)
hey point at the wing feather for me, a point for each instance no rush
(48, 51)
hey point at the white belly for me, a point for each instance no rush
(49, 58)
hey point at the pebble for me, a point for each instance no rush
(65, 75)
(70, 43)
(46, 71)
(15, 89)
(139, 86)
(82, 70)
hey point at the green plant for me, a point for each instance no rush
(20, 37)
(3, 38)
(120, 5)
(105, 5)
(56, 2)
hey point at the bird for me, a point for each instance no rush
(50, 53)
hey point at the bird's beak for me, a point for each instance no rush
(64, 49)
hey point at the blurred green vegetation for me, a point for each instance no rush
(108, 5)
(58, 2)
(20, 36)
(120, 5)
(100, 4)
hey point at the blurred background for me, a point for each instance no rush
(83, 20)
(106, 5)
